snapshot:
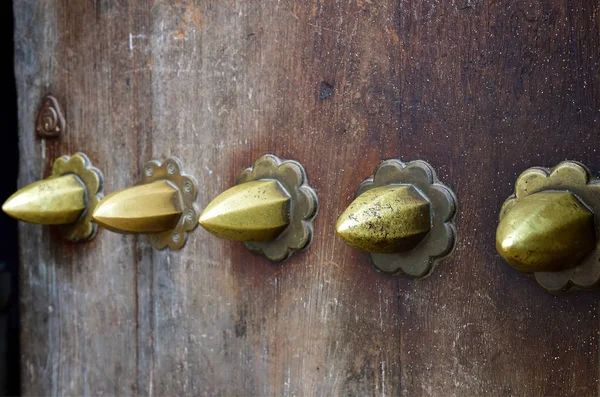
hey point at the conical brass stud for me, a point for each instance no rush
(271, 209)
(385, 220)
(544, 232)
(403, 216)
(155, 207)
(253, 211)
(66, 198)
(549, 227)
(54, 201)
(162, 206)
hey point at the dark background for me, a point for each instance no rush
(9, 306)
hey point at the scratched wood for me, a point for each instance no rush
(480, 89)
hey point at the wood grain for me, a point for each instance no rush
(480, 89)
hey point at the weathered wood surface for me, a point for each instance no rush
(480, 89)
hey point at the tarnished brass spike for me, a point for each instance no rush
(386, 219)
(252, 211)
(53, 201)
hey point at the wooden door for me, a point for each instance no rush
(480, 89)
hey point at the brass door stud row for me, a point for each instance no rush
(403, 215)
(271, 209)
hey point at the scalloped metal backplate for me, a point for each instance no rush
(172, 170)
(85, 228)
(420, 261)
(304, 206)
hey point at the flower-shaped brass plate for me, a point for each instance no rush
(303, 206)
(575, 178)
(419, 261)
(171, 170)
(79, 164)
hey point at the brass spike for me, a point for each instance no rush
(53, 201)
(150, 208)
(386, 219)
(252, 211)
(547, 231)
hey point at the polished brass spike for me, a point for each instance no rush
(66, 198)
(271, 209)
(149, 208)
(162, 205)
(53, 201)
(252, 211)
(386, 219)
(546, 231)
